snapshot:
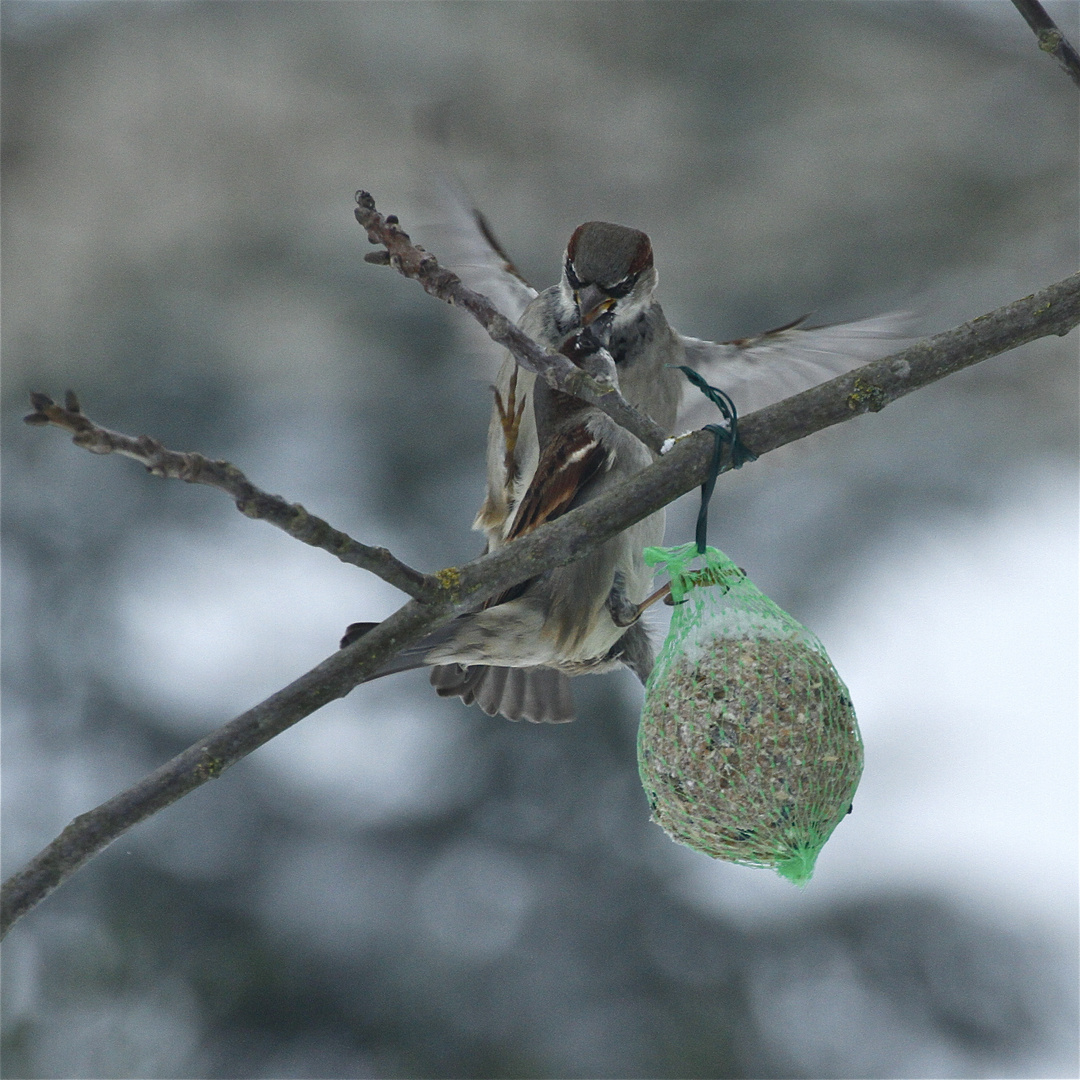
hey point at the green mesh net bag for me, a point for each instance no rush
(748, 747)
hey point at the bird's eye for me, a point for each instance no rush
(618, 291)
(575, 282)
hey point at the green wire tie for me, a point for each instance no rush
(740, 453)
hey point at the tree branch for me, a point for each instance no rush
(1054, 310)
(420, 265)
(90, 833)
(250, 500)
(1051, 39)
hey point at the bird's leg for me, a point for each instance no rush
(663, 593)
(624, 612)
(510, 413)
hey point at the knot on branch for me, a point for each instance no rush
(449, 579)
(312, 530)
(152, 453)
(1050, 40)
(866, 397)
(209, 769)
(248, 505)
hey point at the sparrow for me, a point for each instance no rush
(549, 452)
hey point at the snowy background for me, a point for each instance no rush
(400, 886)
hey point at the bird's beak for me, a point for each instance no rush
(592, 303)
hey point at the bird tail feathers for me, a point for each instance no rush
(538, 694)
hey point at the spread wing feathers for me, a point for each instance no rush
(567, 464)
(756, 371)
(463, 241)
(541, 695)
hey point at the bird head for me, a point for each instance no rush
(608, 272)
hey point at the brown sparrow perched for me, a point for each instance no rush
(549, 452)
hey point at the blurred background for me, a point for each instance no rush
(403, 887)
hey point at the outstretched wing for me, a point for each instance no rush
(463, 241)
(756, 371)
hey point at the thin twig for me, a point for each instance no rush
(1054, 310)
(420, 265)
(250, 500)
(1051, 39)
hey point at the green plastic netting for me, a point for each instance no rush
(748, 748)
